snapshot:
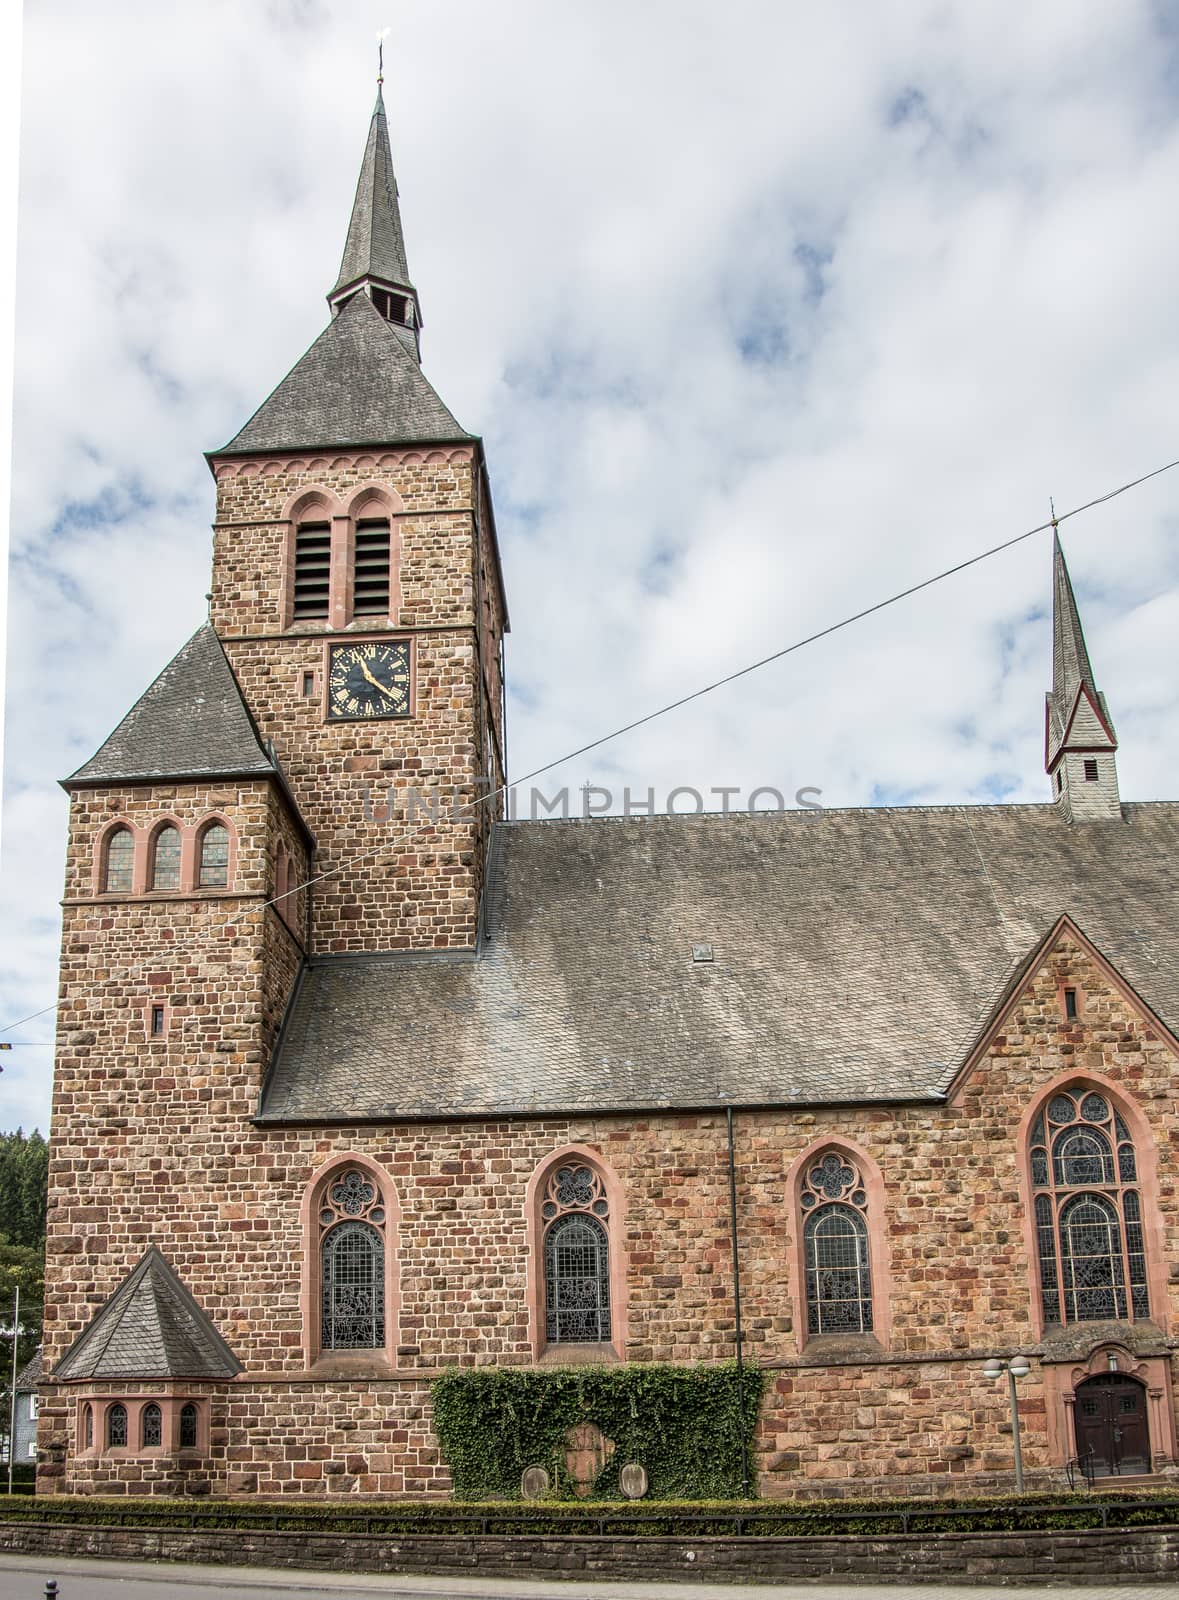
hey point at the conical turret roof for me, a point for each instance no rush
(375, 246)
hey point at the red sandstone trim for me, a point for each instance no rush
(1032, 968)
(1147, 1185)
(879, 1255)
(311, 1279)
(534, 1254)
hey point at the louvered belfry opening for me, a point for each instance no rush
(313, 570)
(370, 593)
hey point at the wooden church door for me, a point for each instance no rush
(1112, 1433)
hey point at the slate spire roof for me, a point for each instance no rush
(151, 1327)
(361, 382)
(191, 723)
(1072, 672)
(375, 246)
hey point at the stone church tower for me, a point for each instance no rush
(358, 1081)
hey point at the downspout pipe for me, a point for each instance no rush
(738, 1337)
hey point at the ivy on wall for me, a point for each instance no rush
(689, 1427)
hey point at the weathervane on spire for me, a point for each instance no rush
(382, 35)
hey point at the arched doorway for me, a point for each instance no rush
(1113, 1437)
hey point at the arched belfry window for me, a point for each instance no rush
(151, 1425)
(165, 858)
(1088, 1210)
(834, 1203)
(575, 1215)
(119, 862)
(352, 1263)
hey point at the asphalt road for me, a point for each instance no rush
(24, 1578)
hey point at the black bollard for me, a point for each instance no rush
(51, 1589)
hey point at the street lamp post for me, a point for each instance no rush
(1017, 1367)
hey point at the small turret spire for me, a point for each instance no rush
(374, 252)
(1079, 738)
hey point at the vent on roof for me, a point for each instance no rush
(370, 595)
(1090, 770)
(702, 952)
(313, 569)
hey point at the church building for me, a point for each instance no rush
(340, 1107)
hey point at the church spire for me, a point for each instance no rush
(374, 252)
(1079, 738)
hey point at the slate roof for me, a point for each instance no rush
(191, 723)
(359, 384)
(1071, 668)
(151, 1327)
(29, 1375)
(375, 246)
(857, 956)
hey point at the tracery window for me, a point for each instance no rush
(1088, 1211)
(352, 1263)
(120, 857)
(116, 1427)
(214, 863)
(151, 1427)
(834, 1203)
(165, 863)
(188, 1426)
(88, 1427)
(575, 1214)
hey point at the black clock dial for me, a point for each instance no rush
(368, 679)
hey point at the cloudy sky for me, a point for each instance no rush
(764, 312)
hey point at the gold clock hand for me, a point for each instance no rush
(376, 683)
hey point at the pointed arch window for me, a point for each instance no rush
(575, 1212)
(116, 1427)
(118, 866)
(151, 1427)
(834, 1202)
(188, 1426)
(213, 872)
(165, 858)
(87, 1427)
(1088, 1211)
(352, 1263)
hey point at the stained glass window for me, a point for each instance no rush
(575, 1214)
(835, 1247)
(116, 1427)
(165, 870)
(88, 1428)
(188, 1426)
(352, 1262)
(152, 1426)
(120, 853)
(577, 1280)
(353, 1288)
(1089, 1234)
(214, 869)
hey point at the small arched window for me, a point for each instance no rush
(120, 857)
(213, 872)
(151, 1427)
(116, 1427)
(188, 1426)
(165, 858)
(1088, 1211)
(575, 1214)
(88, 1427)
(834, 1202)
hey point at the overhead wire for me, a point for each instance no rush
(674, 705)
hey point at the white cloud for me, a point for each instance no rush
(763, 315)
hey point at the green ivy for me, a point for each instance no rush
(691, 1428)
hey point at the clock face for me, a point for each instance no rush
(368, 679)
